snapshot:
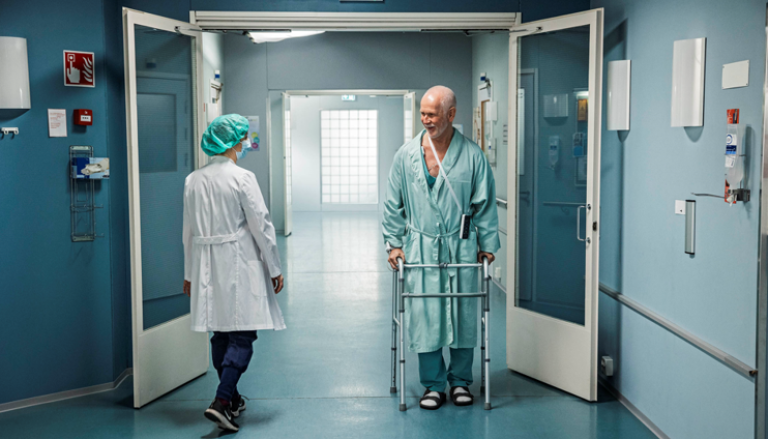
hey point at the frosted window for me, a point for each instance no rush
(288, 167)
(349, 156)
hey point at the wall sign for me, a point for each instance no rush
(79, 69)
(253, 132)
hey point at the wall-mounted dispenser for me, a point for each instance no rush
(556, 105)
(734, 159)
(688, 61)
(618, 95)
(14, 74)
(554, 151)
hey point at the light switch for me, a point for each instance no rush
(680, 207)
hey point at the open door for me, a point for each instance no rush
(287, 163)
(164, 117)
(555, 66)
(409, 115)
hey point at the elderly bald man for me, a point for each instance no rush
(421, 223)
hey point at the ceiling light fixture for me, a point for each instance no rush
(275, 36)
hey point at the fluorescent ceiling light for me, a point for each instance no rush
(275, 36)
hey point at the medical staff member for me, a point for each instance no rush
(231, 261)
(422, 215)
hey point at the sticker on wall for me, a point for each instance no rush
(57, 122)
(79, 69)
(582, 110)
(253, 132)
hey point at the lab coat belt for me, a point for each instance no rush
(219, 239)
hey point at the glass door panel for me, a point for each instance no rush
(552, 192)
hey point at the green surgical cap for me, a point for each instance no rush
(224, 133)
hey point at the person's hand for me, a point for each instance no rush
(277, 283)
(481, 255)
(187, 288)
(393, 255)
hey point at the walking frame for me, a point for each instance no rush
(398, 307)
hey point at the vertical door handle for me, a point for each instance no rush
(578, 224)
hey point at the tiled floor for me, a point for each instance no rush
(327, 375)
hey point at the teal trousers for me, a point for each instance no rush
(434, 375)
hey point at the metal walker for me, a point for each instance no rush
(398, 307)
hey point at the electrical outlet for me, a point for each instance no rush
(606, 365)
(497, 273)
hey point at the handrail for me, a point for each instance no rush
(502, 203)
(738, 366)
(563, 203)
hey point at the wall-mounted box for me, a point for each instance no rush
(736, 74)
(618, 95)
(688, 61)
(14, 74)
(556, 105)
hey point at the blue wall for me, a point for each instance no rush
(713, 294)
(55, 303)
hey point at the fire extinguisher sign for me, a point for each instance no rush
(79, 69)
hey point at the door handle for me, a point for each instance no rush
(578, 224)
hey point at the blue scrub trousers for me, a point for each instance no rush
(231, 352)
(434, 376)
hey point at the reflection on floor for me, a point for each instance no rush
(327, 375)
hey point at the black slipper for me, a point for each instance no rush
(455, 396)
(438, 401)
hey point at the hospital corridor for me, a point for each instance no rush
(528, 219)
(328, 376)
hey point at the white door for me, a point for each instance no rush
(409, 115)
(287, 163)
(164, 117)
(552, 318)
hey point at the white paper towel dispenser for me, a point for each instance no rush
(14, 74)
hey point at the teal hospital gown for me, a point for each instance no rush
(425, 223)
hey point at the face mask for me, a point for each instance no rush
(245, 147)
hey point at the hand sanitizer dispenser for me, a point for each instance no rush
(734, 159)
(554, 151)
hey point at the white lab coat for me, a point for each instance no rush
(230, 250)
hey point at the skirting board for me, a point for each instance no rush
(67, 394)
(632, 409)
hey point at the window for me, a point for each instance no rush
(288, 159)
(350, 156)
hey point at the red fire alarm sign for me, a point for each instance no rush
(79, 69)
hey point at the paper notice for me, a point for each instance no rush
(57, 123)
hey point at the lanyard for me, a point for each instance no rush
(442, 172)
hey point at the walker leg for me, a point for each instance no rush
(486, 332)
(402, 344)
(482, 351)
(402, 364)
(393, 384)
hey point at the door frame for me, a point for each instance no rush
(154, 340)
(572, 340)
(354, 21)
